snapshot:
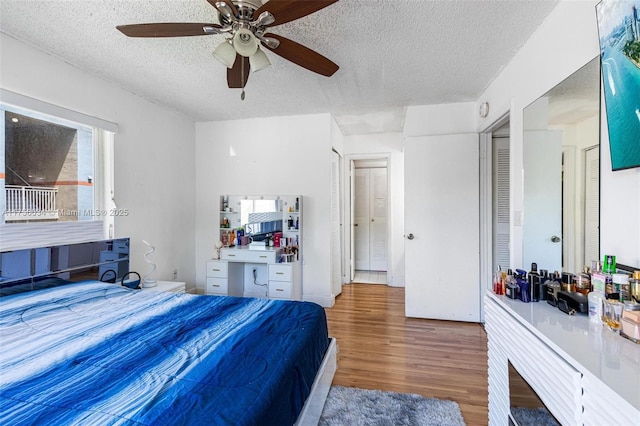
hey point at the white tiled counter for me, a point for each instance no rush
(584, 373)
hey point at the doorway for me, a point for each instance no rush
(369, 212)
(495, 201)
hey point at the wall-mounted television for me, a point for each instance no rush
(619, 33)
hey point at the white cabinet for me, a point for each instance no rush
(217, 282)
(584, 374)
(223, 278)
(284, 281)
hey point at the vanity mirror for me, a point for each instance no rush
(561, 165)
(259, 215)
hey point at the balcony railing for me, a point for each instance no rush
(30, 203)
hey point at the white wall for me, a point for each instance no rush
(390, 145)
(566, 41)
(442, 119)
(280, 155)
(154, 162)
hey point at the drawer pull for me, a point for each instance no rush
(279, 289)
(216, 270)
(215, 285)
(263, 257)
(279, 273)
(232, 255)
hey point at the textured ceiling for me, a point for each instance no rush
(577, 98)
(392, 54)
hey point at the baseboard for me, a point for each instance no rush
(325, 302)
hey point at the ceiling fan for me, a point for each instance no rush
(246, 23)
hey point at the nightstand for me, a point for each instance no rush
(168, 286)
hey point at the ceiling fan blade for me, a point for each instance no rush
(289, 10)
(303, 56)
(238, 75)
(220, 6)
(168, 29)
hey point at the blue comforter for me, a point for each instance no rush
(93, 353)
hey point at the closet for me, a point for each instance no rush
(370, 216)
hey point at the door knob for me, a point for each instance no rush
(555, 239)
(410, 237)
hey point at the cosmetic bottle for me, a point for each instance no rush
(497, 282)
(297, 204)
(596, 301)
(621, 285)
(524, 291)
(634, 286)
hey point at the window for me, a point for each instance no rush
(48, 169)
(56, 170)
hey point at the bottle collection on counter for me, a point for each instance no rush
(604, 293)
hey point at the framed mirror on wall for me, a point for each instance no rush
(561, 169)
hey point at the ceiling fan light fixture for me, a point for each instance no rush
(245, 42)
(259, 61)
(226, 54)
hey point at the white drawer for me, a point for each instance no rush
(279, 289)
(217, 286)
(280, 272)
(216, 268)
(248, 256)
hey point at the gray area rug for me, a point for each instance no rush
(353, 406)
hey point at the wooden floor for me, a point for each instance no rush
(379, 348)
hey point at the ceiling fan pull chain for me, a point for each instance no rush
(242, 95)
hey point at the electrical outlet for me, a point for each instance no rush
(175, 274)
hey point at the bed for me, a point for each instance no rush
(91, 352)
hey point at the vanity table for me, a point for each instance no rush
(257, 270)
(233, 274)
(584, 373)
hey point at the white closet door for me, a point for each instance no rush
(378, 215)
(592, 206)
(336, 252)
(361, 219)
(501, 256)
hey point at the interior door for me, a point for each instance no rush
(361, 220)
(336, 224)
(352, 236)
(501, 203)
(442, 233)
(542, 224)
(378, 216)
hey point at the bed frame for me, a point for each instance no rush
(312, 409)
